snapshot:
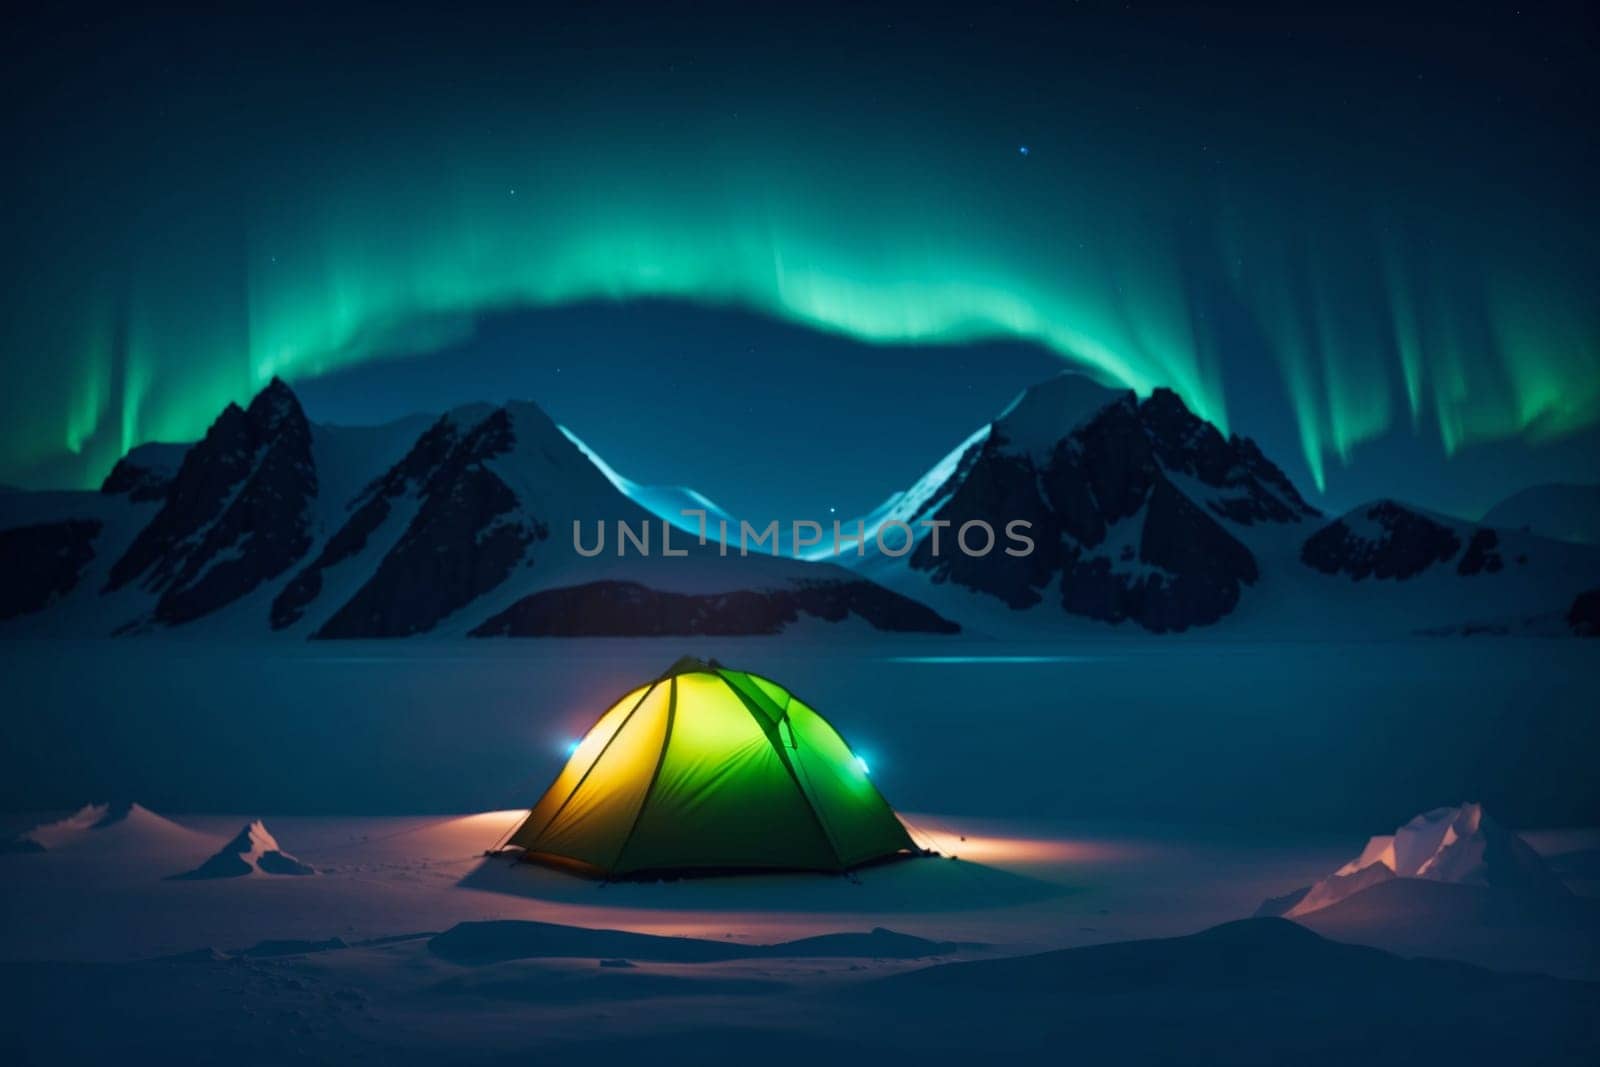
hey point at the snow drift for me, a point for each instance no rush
(252, 851)
(1455, 845)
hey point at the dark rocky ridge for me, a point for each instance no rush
(456, 548)
(141, 482)
(235, 514)
(1139, 512)
(1584, 615)
(1186, 444)
(1120, 465)
(1204, 569)
(1399, 543)
(371, 510)
(1408, 545)
(1482, 555)
(628, 609)
(41, 562)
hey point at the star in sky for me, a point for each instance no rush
(1022, 150)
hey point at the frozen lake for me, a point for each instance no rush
(1260, 736)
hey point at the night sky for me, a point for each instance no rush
(792, 259)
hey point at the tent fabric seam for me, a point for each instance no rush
(806, 792)
(584, 777)
(655, 775)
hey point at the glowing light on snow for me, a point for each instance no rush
(968, 840)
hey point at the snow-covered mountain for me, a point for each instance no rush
(1562, 512)
(668, 502)
(1142, 512)
(1135, 512)
(1133, 509)
(1437, 574)
(236, 513)
(458, 524)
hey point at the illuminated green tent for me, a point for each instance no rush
(707, 769)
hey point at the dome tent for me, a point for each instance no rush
(710, 770)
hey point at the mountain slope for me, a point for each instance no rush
(463, 541)
(1392, 562)
(235, 514)
(668, 502)
(146, 471)
(1561, 512)
(368, 513)
(1141, 512)
(272, 524)
(1078, 509)
(1129, 505)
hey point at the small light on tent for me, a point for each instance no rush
(863, 765)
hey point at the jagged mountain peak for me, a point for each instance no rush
(472, 523)
(490, 436)
(274, 408)
(1134, 506)
(235, 514)
(1138, 510)
(1251, 488)
(1074, 412)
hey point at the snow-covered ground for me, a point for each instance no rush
(1012, 886)
(1096, 795)
(345, 963)
(1016, 886)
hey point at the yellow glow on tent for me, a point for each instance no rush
(711, 769)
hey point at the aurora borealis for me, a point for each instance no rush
(1395, 246)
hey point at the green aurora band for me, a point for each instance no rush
(1374, 319)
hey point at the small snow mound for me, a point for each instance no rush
(252, 851)
(1457, 845)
